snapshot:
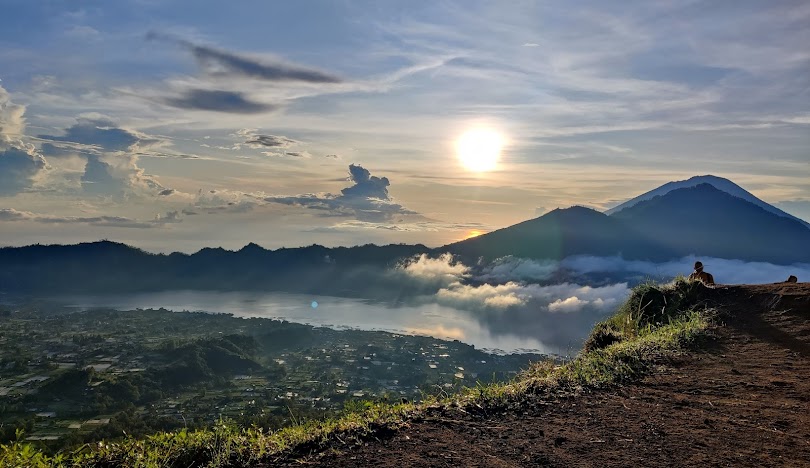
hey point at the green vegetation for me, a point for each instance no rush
(655, 323)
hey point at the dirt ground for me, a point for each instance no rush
(743, 400)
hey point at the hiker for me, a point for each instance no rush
(700, 275)
(792, 279)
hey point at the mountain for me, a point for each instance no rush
(717, 182)
(562, 233)
(704, 220)
(108, 267)
(699, 220)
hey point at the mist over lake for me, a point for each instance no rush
(421, 319)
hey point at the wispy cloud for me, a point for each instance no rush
(219, 101)
(12, 215)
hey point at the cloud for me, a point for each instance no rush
(99, 134)
(229, 201)
(257, 140)
(367, 199)
(19, 169)
(12, 215)
(111, 154)
(401, 226)
(518, 269)
(219, 101)
(171, 217)
(442, 271)
(166, 192)
(725, 271)
(220, 62)
(12, 121)
(365, 184)
(20, 163)
(293, 154)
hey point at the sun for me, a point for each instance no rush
(479, 149)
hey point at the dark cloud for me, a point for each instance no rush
(367, 200)
(222, 62)
(270, 141)
(262, 141)
(18, 169)
(218, 101)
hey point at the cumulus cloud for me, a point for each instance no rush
(20, 163)
(220, 62)
(99, 134)
(12, 120)
(365, 184)
(367, 199)
(12, 215)
(19, 168)
(111, 155)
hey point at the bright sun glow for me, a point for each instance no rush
(479, 149)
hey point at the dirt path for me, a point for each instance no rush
(743, 401)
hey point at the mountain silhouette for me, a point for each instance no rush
(704, 220)
(561, 233)
(717, 182)
(700, 220)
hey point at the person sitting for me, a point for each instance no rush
(700, 275)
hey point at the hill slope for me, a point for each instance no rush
(562, 233)
(741, 401)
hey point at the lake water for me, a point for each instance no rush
(335, 312)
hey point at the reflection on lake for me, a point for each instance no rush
(335, 312)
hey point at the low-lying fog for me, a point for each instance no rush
(511, 305)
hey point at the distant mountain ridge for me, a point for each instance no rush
(719, 183)
(697, 220)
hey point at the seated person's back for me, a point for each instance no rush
(700, 275)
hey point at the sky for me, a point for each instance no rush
(176, 125)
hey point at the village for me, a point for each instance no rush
(74, 376)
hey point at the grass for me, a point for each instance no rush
(655, 323)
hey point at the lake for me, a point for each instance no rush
(335, 312)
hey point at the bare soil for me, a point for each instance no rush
(742, 399)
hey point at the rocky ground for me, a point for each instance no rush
(743, 399)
